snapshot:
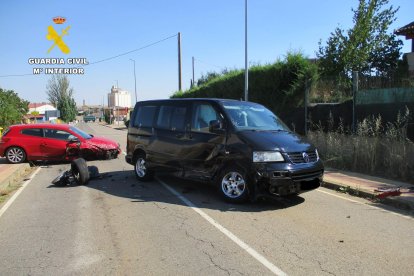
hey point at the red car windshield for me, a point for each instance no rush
(81, 133)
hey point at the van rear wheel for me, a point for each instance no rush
(141, 170)
(233, 185)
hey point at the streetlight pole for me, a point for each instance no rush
(246, 66)
(179, 61)
(193, 69)
(135, 79)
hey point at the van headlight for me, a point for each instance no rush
(267, 156)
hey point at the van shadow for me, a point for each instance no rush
(203, 195)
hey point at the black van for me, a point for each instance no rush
(241, 146)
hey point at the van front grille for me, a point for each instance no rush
(303, 157)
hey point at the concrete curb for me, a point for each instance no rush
(396, 201)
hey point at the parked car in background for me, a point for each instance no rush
(241, 146)
(21, 143)
(89, 118)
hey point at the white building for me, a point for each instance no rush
(37, 112)
(41, 108)
(119, 98)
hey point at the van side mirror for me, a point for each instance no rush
(215, 126)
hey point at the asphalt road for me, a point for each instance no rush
(119, 226)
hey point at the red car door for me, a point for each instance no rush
(54, 143)
(30, 139)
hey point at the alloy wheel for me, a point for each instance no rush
(233, 185)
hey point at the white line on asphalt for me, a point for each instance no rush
(226, 232)
(17, 193)
(365, 204)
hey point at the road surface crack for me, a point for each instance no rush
(324, 270)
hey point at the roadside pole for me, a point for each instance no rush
(354, 93)
(246, 65)
(306, 106)
(179, 61)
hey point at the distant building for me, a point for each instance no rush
(408, 32)
(119, 98)
(41, 108)
(41, 112)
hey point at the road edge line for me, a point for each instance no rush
(273, 268)
(17, 193)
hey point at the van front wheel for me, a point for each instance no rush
(141, 170)
(233, 185)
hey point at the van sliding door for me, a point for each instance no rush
(171, 135)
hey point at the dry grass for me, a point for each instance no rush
(378, 148)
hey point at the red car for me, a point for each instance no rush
(54, 142)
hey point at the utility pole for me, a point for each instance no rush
(135, 79)
(179, 61)
(193, 69)
(246, 66)
(103, 108)
(307, 86)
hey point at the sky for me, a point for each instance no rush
(212, 31)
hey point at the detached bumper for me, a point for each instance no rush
(283, 179)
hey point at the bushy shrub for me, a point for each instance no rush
(279, 86)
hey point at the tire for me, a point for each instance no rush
(140, 168)
(80, 171)
(233, 186)
(15, 155)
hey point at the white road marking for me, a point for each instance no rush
(17, 193)
(365, 204)
(226, 232)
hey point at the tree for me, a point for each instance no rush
(207, 78)
(13, 108)
(367, 47)
(67, 107)
(60, 95)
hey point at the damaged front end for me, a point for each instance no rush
(285, 179)
(101, 152)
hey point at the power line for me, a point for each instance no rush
(21, 75)
(106, 59)
(199, 60)
(135, 50)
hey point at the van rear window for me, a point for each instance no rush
(145, 116)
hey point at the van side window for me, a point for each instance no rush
(172, 117)
(145, 116)
(202, 115)
(178, 118)
(164, 117)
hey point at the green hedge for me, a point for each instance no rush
(279, 86)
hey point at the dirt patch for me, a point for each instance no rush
(14, 183)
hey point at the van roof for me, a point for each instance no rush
(190, 99)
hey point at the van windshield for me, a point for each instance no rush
(252, 116)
